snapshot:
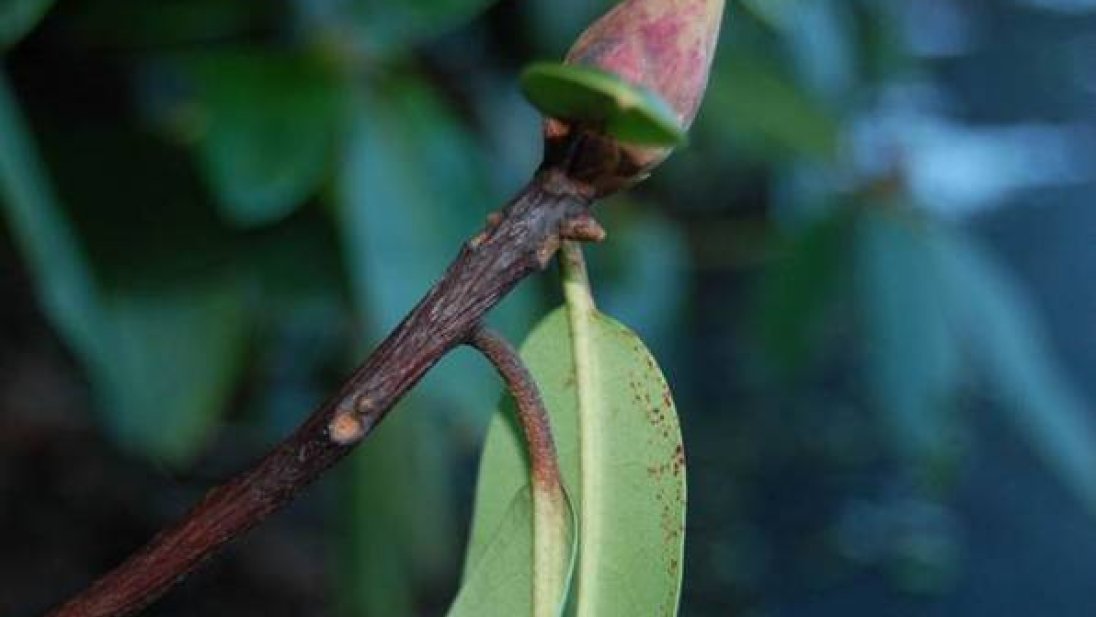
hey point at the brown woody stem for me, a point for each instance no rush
(532, 415)
(515, 245)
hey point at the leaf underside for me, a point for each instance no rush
(628, 488)
(501, 580)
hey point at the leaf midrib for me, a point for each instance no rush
(581, 313)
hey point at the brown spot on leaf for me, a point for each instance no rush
(679, 459)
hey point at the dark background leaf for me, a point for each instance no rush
(17, 17)
(270, 126)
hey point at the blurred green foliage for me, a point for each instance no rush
(266, 125)
(254, 193)
(17, 17)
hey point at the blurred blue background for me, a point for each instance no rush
(869, 279)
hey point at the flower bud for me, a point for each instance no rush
(663, 46)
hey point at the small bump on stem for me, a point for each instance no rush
(364, 404)
(345, 429)
(547, 250)
(582, 228)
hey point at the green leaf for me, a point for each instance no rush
(800, 287)
(621, 456)
(65, 284)
(505, 577)
(1011, 348)
(914, 354)
(821, 39)
(169, 364)
(18, 17)
(169, 24)
(756, 103)
(162, 361)
(548, 24)
(525, 566)
(272, 119)
(500, 581)
(772, 12)
(392, 27)
(629, 112)
(927, 292)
